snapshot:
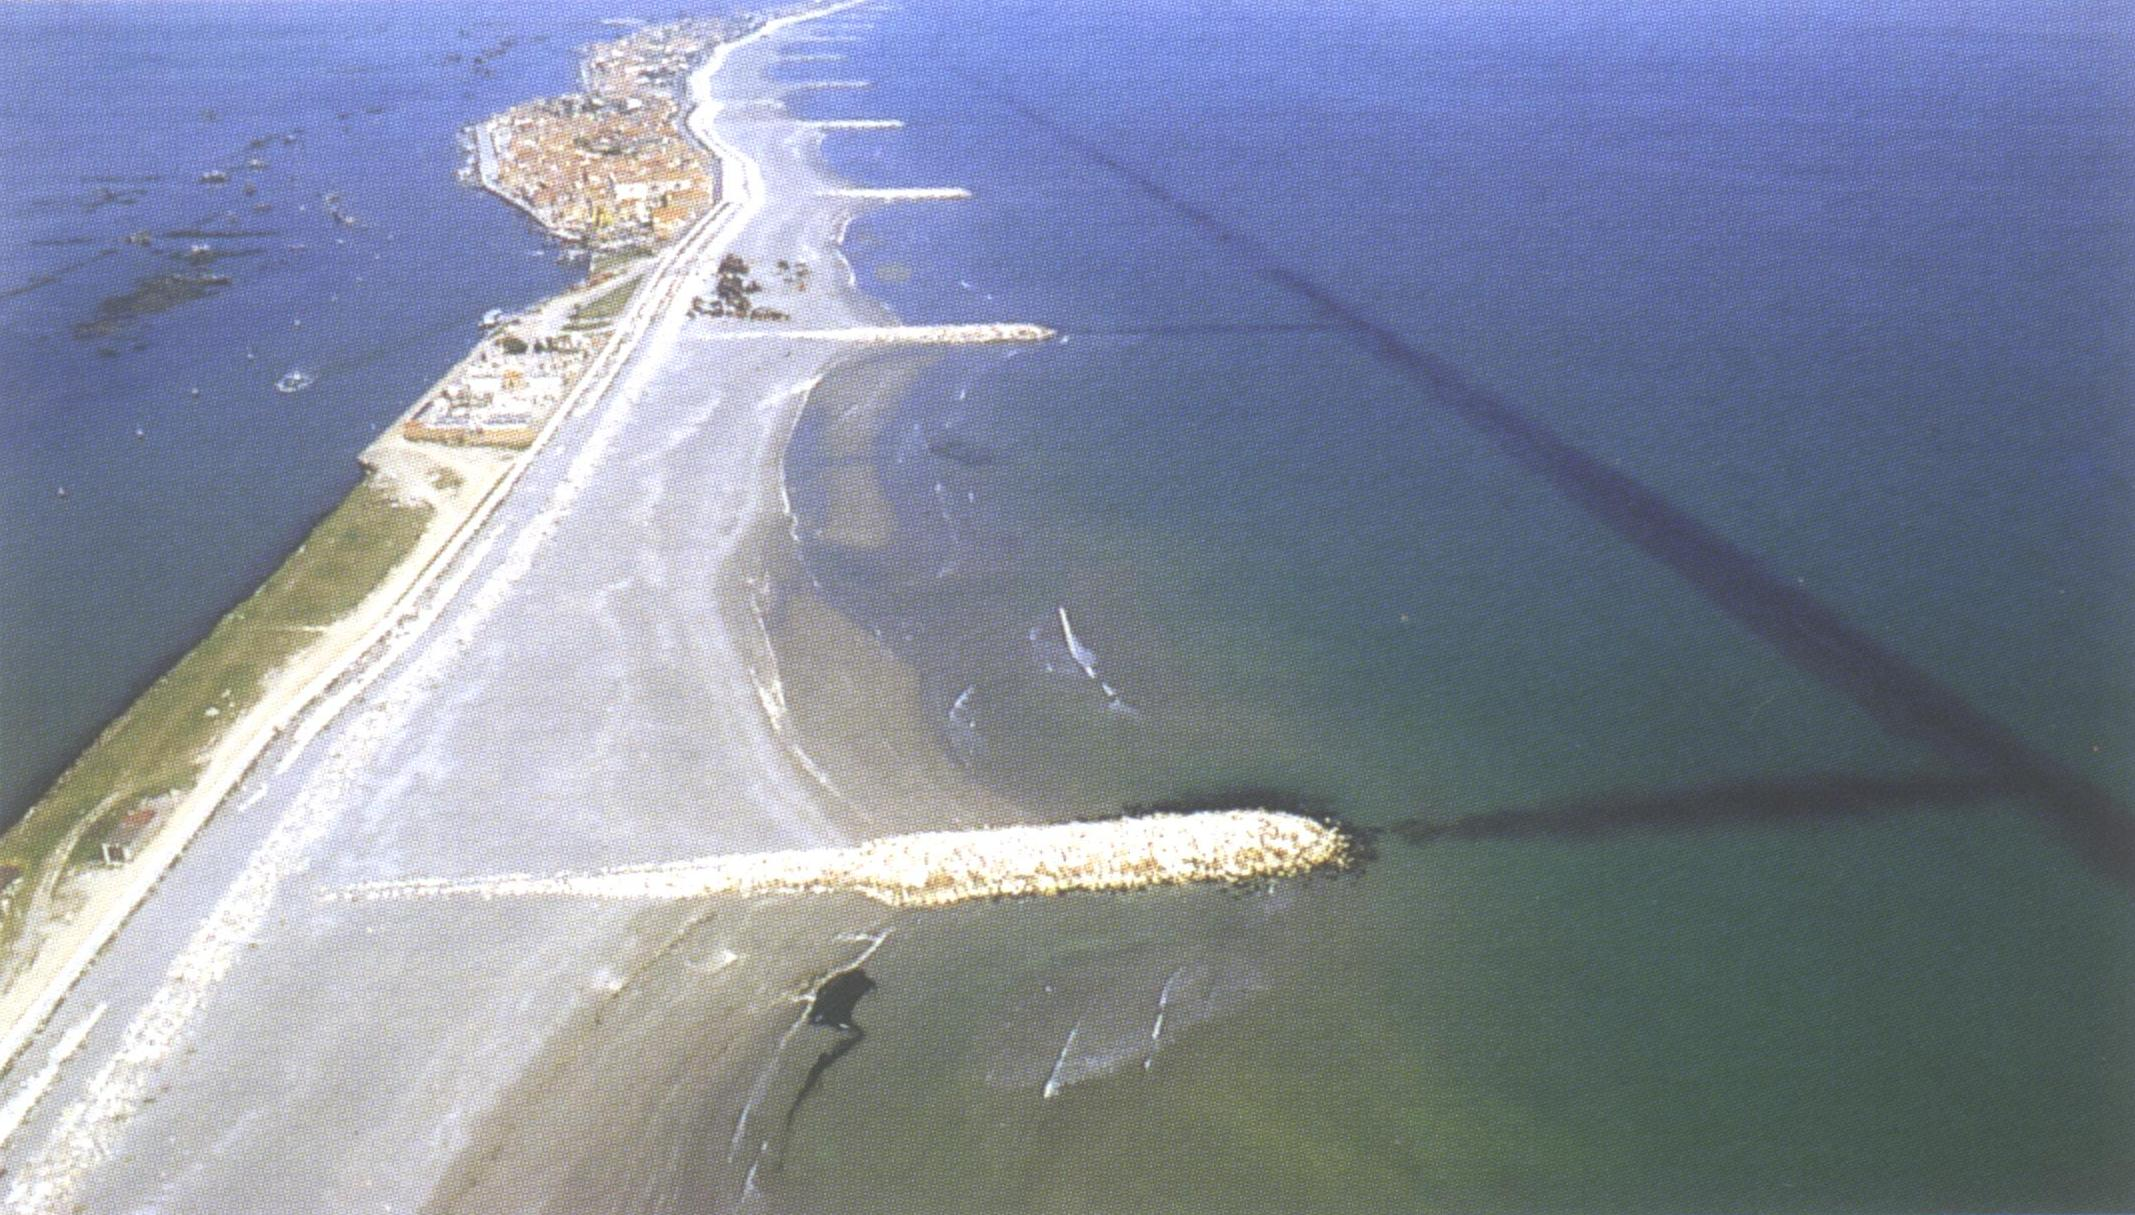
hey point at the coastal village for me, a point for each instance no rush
(608, 169)
(609, 166)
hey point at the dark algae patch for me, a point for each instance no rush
(964, 452)
(200, 233)
(835, 1000)
(50, 277)
(154, 294)
(832, 1006)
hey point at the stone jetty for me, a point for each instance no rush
(884, 335)
(943, 868)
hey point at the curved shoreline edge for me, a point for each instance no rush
(311, 690)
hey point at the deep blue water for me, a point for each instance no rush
(1843, 291)
(159, 535)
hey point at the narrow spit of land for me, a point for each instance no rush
(579, 630)
(85, 855)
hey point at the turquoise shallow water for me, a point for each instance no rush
(1846, 288)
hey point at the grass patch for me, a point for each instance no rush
(605, 307)
(609, 261)
(158, 744)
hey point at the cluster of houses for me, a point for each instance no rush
(503, 393)
(609, 165)
(653, 60)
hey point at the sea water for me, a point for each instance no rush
(1847, 286)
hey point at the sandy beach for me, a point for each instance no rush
(575, 675)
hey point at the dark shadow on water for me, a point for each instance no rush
(1903, 698)
(834, 1002)
(832, 1006)
(848, 1038)
(964, 452)
(1784, 801)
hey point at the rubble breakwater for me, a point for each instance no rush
(943, 868)
(919, 335)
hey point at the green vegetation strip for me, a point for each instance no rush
(159, 744)
(607, 262)
(604, 308)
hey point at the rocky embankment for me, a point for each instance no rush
(941, 868)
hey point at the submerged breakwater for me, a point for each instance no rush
(1659, 460)
(1901, 696)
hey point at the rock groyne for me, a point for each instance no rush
(943, 868)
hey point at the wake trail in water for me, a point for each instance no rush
(1053, 1084)
(1084, 658)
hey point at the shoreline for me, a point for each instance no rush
(304, 695)
(626, 588)
(317, 738)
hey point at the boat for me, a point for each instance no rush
(214, 177)
(293, 381)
